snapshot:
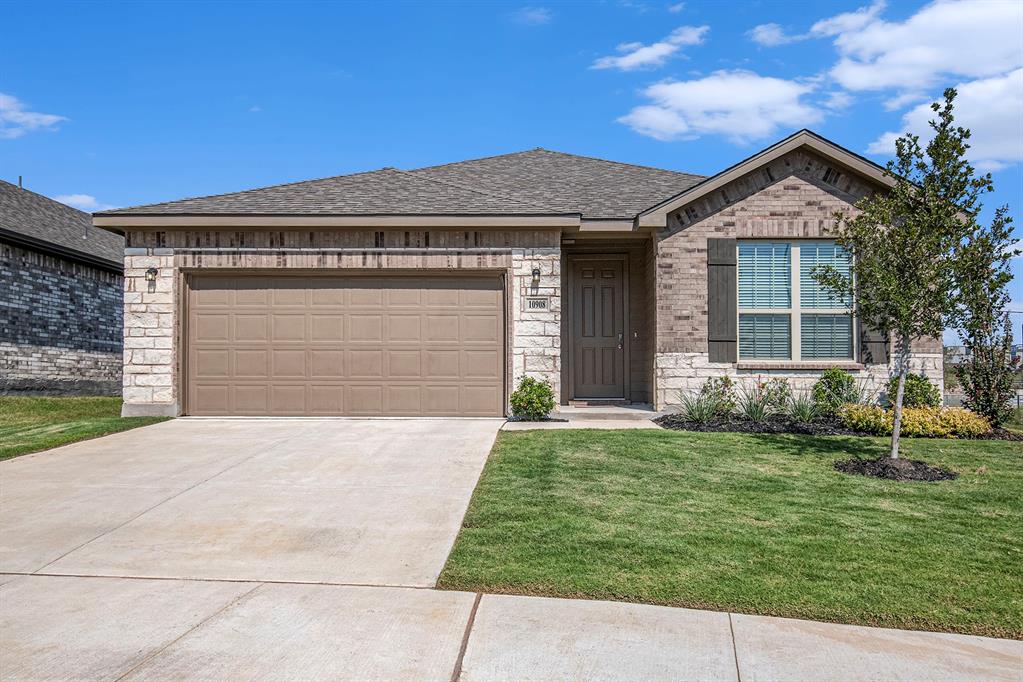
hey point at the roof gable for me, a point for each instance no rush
(48, 225)
(656, 216)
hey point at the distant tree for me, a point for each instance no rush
(988, 372)
(905, 242)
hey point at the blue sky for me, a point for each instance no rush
(121, 104)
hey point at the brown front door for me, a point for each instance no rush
(598, 329)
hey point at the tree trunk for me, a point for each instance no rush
(903, 369)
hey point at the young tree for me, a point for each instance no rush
(987, 373)
(905, 241)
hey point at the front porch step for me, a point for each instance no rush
(629, 411)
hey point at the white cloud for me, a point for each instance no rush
(15, 120)
(740, 105)
(83, 202)
(677, 7)
(847, 21)
(957, 39)
(837, 100)
(637, 55)
(771, 35)
(255, 109)
(992, 108)
(533, 16)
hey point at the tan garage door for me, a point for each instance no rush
(390, 346)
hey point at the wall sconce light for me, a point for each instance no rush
(536, 279)
(151, 274)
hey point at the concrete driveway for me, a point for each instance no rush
(323, 501)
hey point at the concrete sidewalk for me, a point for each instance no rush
(64, 627)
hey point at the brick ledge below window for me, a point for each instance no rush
(799, 365)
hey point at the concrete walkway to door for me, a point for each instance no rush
(305, 549)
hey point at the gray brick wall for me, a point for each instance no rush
(60, 325)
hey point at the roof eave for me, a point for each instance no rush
(118, 222)
(53, 248)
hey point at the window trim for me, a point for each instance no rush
(795, 311)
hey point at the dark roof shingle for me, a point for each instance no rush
(535, 182)
(41, 220)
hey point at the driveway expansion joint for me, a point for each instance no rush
(457, 671)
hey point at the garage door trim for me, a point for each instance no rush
(187, 276)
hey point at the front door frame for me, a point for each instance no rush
(567, 326)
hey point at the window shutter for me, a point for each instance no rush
(874, 346)
(722, 335)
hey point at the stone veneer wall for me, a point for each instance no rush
(788, 198)
(60, 325)
(536, 335)
(152, 320)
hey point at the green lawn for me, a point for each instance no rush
(33, 424)
(752, 524)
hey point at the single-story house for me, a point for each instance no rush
(432, 291)
(60, 298)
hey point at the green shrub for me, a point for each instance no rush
(722, 391)
(803, 409)
(921, 422)
(700, 408)
(777, 393)
(835, 388)
(533, 400)
(754, 405)
(918, 392)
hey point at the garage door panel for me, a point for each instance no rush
(366, 400)
(326, 363)
(366, 364)
(404, 328)
(329, 328)
(403, 295)
(441, 364)
(404, 399)
(482, 400)
(480, 328)
(404, 364)
(286, 327)
(441, 399)
(287, 399)
(250, 399)
(366, 328)
(480, 364)
(250, 327)
(326, 400)
(213, 326)
(345, 345)
(442, 328)
(213, 399)
(251, 363)
(288, 364)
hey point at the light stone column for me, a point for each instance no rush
(536, 335)
(150, 327)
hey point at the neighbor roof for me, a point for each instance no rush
(41, 223)
(534, 182)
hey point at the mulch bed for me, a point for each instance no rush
(775, 424)
(895, 469)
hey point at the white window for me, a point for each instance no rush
(784, 313)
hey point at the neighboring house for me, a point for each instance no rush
(432, 291)
(60, 298)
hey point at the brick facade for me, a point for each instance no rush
(793, 197)
(60, 325)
